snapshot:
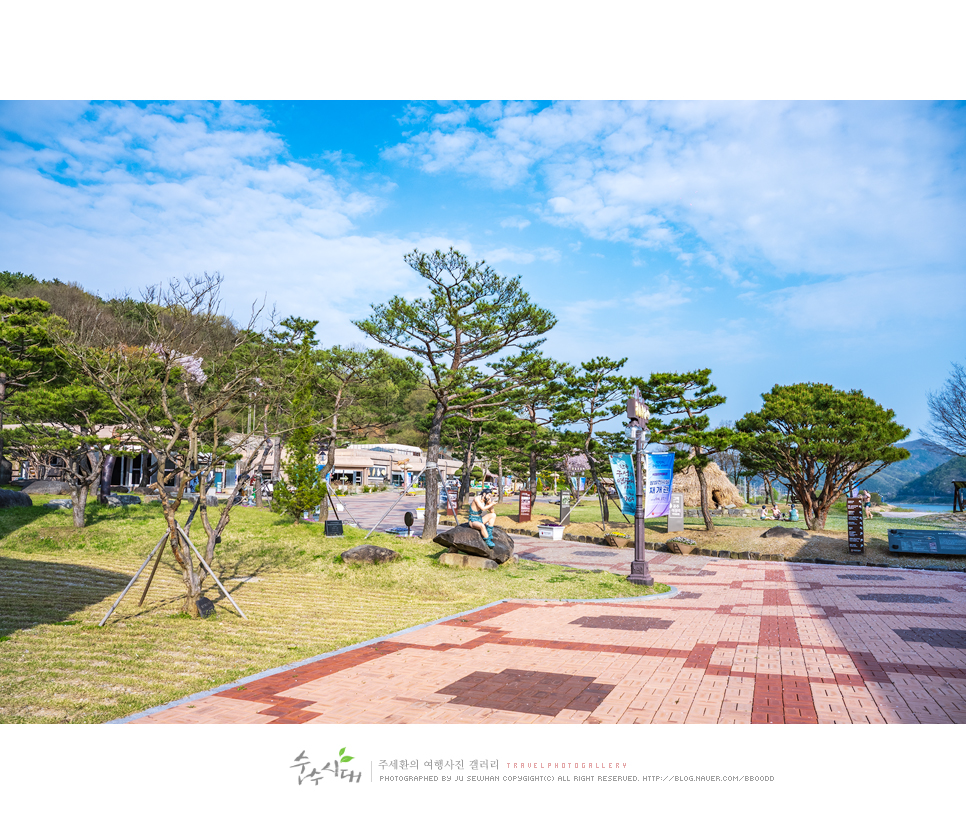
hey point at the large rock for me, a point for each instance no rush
(469, 540)
(47, 487)
(775, 532)
(14, 498)
(122, 500)
(369, 554)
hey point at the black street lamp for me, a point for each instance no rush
(638, 414)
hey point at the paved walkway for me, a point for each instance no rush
(740, 642)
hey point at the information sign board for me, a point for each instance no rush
(675, 516)
(854, 520)
(565, 508)
(526, 503)
(939, 542)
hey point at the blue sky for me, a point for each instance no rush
(772, 242)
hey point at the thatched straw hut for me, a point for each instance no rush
(721, 490)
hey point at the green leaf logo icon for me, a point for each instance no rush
(343, 758)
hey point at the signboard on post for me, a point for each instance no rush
(855, 525)
(564, 508)
(675, 516)
(526, 503)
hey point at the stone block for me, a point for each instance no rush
(456, 559)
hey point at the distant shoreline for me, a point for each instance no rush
(922, 506)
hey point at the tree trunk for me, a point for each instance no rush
(703, 484)
(601, 493)
(469, 460)
(277, 461)
(261, 464)
(431, 474)
(79, 502)
(183, 555)
(532, 484)
(107, 470)
(499, 480)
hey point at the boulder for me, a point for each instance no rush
(775, 532)
(47, 487)
(369, 554)
(66, 503)
(14, 498)
(121, 500)
(468, 540)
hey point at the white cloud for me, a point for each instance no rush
(119, 196)
(517, 222)
(670, 293)
(519, 257)
(825, 188)
(895, 305)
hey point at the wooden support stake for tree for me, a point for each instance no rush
(154, 570)
(135, 579)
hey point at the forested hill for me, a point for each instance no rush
(937, 483)
(67, 300)
(923, 457)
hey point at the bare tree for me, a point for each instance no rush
(180, 377)
(947, 410)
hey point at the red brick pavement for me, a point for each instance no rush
(742, 642)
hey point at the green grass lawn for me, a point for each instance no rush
(56, 584)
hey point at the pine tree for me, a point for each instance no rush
(688, 396)
(303, 489)
(471, 315)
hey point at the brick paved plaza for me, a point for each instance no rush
(738, 642)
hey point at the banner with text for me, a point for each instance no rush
(660, 475)
(622, 466)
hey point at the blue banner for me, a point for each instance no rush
(660, 476)
(622, 466)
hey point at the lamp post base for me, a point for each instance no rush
(639, 574)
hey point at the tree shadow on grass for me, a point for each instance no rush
(14, 518)
(34, 593)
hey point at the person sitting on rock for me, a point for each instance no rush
(483, 516)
